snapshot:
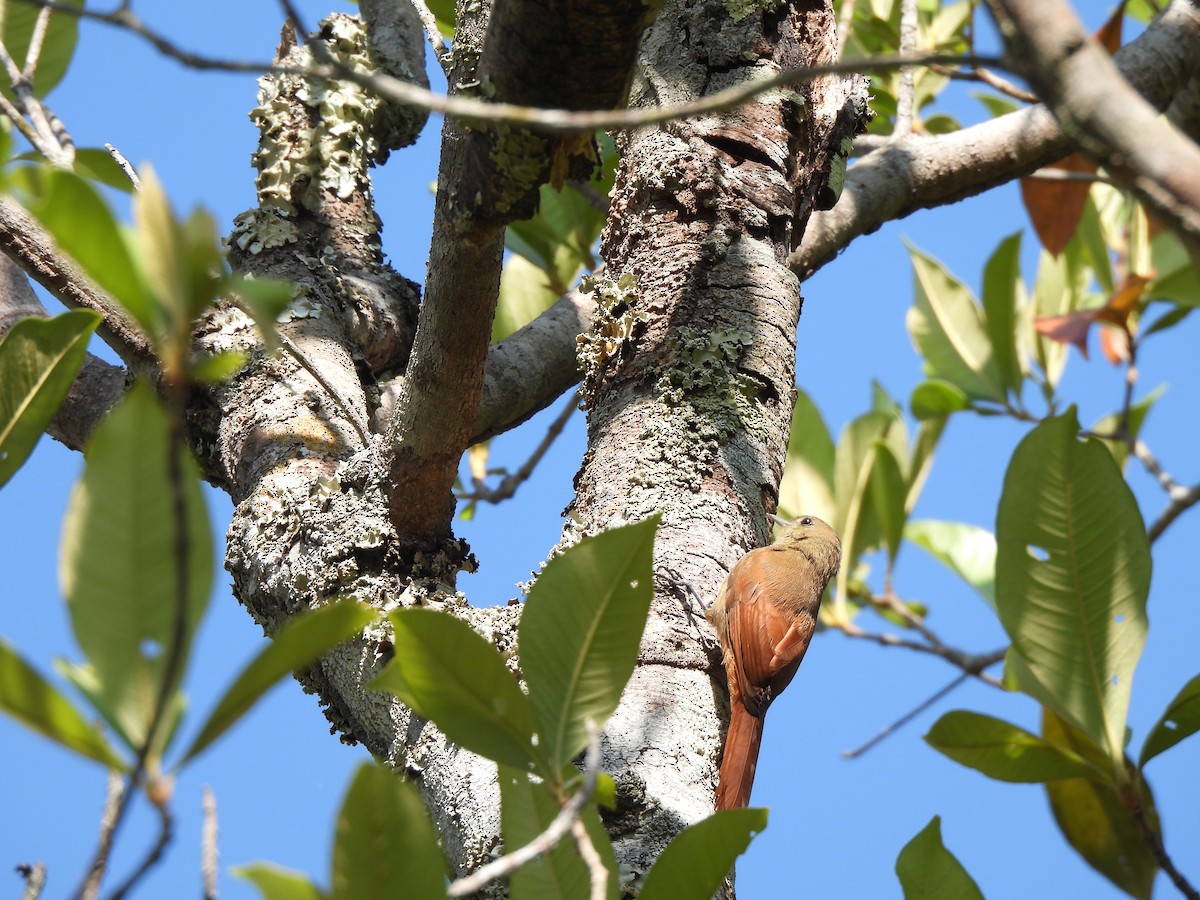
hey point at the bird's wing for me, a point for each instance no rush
(764, 645)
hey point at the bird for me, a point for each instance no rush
(765, 614)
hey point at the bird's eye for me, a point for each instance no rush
(806, 521)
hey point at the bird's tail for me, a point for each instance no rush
(740, 760)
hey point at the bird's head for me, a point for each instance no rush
(814, 538)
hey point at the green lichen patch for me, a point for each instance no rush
(740, 9)
(612, 326)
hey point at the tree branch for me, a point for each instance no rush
(924, 172)
(1073, 74)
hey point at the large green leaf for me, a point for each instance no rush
(580, 631)
(1095, 821)
(39, 359)
(525, 293)
(947, 328)
(1181, 719)
(448, 673)
(807, 485)
(928, 871)
(1072, 575)
(1175, 275)
(82, 224)
(274, 883)
(526, 810)
(968, 550)
(1001, 296)
(31, 699)
(385, 842)
(1001, 750)
(120, 559)
(697, 860)
(298, 644)
(16, 28)
(886, 492)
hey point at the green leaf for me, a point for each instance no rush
(1133, 425)
(448, 673)
(275, 883)
(1001, 296)
(886, 493)
(526, 810)
(443, 14)
(967, 550)
(697, 860)
(580, 631)
(263, 300)
(1057, 291)
(928, 871)
(384, 841)
(947, 328)
(39, 359)
(299, 643)
(807, 485)
(936, 398)
(32, 700)
(1072, 575)
(525, 293)
(159, 236)
(1096, 823)
(119, 561)
(82, 224)
(96, 164)
(218, 367)
(1001, 750)
(1090, 231)
(57, 48)
(1181, 719)
(1175, 276)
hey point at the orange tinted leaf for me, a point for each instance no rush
(1069, 329)
(1055, 207)
(1115, 344)
(1109, 33)
(1124, 300)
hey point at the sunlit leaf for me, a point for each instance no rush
(886, 492)
(697, 860)
(1181, 719)
(1001, 750)
(928, 871)
(526, 810)
(935, 398)
(1095, 821)
(947, 328)
(275, 883)
(385, 840)
(299, 643)
(580, 632)
(448, 673)
(1072, 575)
(35, 702)
(807, 485)
(968, 550)
(57, 48)
(98, 165)
(119, 556)
(1001, 296)
(39, 359)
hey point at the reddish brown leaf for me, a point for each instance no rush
(1069, 329)
(1055, 207)
(1110, 32)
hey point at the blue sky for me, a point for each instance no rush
(836, 826)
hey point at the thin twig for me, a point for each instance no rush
(988, 77)
(36, 40)
(549, 838)
(126, 166)
(34, 875)
(904, 95)
(509, 484)
(552, 121)
(1153, 840)
(1175, 508)
(1052, 173)
(906, 718)
(166, 830)
(595, 865)
(1142, 452)
(208, 844)
(971, 663)
(109, 820)
(436, 41)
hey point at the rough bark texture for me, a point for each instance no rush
(689, 365)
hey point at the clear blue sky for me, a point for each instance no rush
(836, 826)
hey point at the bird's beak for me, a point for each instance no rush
(777, 520)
